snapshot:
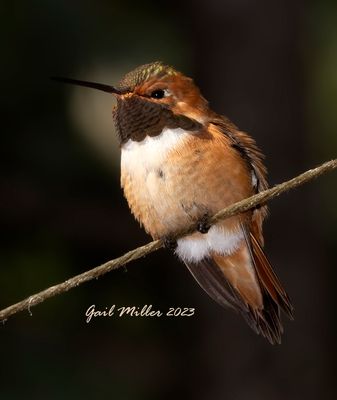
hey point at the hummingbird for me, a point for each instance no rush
(181, 163)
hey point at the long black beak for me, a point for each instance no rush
(93, 85)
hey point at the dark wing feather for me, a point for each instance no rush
(247, 148)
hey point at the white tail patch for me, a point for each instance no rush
(217, 239)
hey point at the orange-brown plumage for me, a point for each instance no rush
(195, 173)
(181, 163)
(214, 175)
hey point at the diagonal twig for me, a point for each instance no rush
(142, 251)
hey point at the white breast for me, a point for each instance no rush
(149, 154)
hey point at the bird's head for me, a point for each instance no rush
(153, 97)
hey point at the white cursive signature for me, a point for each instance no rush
(137, 311)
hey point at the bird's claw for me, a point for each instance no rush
(170, 243)
(203, 224)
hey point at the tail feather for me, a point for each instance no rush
(246, 282)
(269, 279)
(210, 277)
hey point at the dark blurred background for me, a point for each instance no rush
(271, 66)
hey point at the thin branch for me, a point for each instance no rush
(142, 251)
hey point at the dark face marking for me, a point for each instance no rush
(137, 117)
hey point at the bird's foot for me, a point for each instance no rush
(203, 224)
(170, 243)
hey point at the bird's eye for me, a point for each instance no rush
(158, 94)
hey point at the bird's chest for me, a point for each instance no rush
(175, 178)
(154, 185)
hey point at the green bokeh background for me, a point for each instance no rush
(271, 66)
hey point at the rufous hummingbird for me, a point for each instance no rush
(180, 164)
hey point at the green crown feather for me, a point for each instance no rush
(142, 73)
